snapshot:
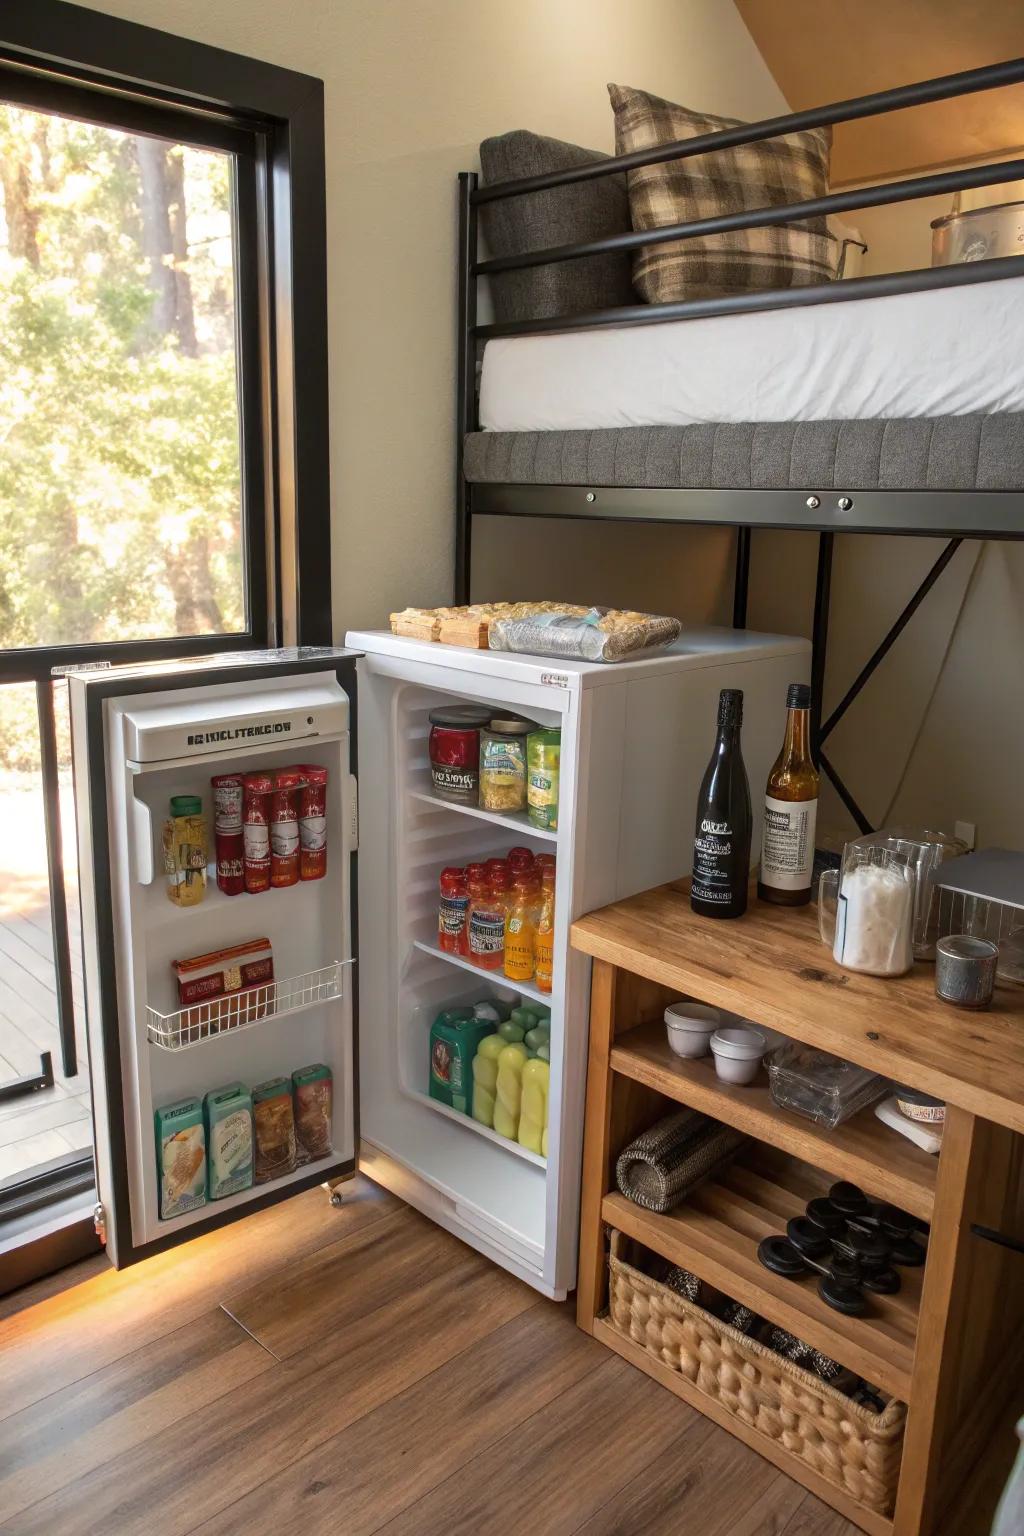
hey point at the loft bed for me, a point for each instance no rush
(810, 408)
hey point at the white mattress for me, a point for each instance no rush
(947, 352)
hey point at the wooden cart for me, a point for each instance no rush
(950, 1345)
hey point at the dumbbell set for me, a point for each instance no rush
(852, 1242)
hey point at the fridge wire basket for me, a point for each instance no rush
(198, 1022)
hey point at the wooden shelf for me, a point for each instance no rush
(770, 966)
(715, 1232)
(772, 1450)
(863, 1149)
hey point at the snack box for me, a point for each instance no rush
(227, 1113)
(313, 1101)
(225, 987)
(274, 1129)
(180, 1157)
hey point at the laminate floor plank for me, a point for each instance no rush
(140, 1399)
(813, 1518)
(559, 1467)
(706, 1481)
(218, 1454)
(358, 1480)
(80, 1331)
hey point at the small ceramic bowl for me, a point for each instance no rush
(738, 1051)
(690, 1026)
(920, 1106)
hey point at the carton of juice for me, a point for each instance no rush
(180, 1157)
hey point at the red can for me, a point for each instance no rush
(284, 827)
(228, 795)
(313, 822)
(256, 831)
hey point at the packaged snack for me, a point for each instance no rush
(185, 851)
(180, 1157)
(274, 1129)
(228, 1115)
(313, 1095)
(454, 1037)
(225, 987)
(599, 634)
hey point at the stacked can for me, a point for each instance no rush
(284, 827)
(313, 822)
(227, 825)
(256, 831)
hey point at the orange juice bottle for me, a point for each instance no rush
(519, 931)
(544, 937)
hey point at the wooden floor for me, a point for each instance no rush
(313, 1370)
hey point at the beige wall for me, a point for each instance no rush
(411, 88)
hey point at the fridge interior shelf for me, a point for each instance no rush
(469, 1124)
(517, 822)
(256, 1005)
(527, 988)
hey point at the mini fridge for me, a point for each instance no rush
(358, 974)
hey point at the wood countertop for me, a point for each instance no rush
(770, 967)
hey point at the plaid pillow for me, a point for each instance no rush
(783, 170)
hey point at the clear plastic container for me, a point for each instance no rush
(825, 1088)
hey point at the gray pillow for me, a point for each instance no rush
(585, 210)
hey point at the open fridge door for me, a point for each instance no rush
(140, 736)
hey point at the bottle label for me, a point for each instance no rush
(787, 843)
(518, 950)
(452, 915)
(712, 862)
(486, 933)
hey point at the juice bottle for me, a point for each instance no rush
(519, 931)
(520, 861)
(544, 941)
(486, 921)
(452, 912)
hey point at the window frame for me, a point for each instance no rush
(71, 60)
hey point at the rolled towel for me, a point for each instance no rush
(661, 1166)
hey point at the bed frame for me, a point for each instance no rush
(955, 514)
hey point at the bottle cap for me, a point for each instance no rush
(798, 696)
(186, 805)
(730, 706)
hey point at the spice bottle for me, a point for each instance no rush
(313, 822)
(284, 828)
(453, 911)
(185, 851)
(256, 831)
(228, 796)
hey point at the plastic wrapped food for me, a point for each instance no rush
(599, 634)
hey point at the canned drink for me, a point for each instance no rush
(284, 827)
(228, 799)
(256, 831)
(313, 822)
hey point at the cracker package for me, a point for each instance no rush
(273, 1129)
(313, 1095)
(180, 1157)
(594, 634)
(228, 1115)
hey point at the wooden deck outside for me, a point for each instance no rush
(54, 1121)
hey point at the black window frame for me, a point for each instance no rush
(67, 59)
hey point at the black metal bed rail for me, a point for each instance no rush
(965, 83)
(905, 191)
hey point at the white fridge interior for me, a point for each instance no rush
(635, 740)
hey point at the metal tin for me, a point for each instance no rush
(978, 234)
(965, 970)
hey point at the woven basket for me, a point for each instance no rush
(844, 1443)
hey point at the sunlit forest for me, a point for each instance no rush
(119, 444)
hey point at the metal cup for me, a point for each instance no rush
(965, 970)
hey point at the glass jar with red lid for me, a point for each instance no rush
(455, 752)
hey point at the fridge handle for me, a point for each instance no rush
(142, 841)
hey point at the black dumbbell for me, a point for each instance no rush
(835, 1287)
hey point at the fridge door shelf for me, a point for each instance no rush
(527, 988)
(516, 822)
(186, 1027)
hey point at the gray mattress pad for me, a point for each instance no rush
(943, 453)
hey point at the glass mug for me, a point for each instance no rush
(866, 910)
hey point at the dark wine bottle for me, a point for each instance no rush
(721, 843)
